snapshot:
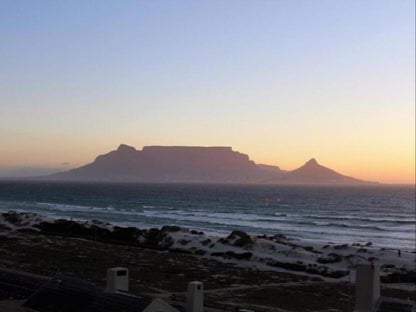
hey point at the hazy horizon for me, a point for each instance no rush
(280, 81)
(28, 172)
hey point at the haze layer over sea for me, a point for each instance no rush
(383, 215)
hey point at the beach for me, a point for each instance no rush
(237, 269)
(383, 215)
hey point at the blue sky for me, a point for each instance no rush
(282, 81)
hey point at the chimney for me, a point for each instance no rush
(367, 287)
(195, 297)
(117, 279)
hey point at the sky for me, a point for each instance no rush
(280, 80)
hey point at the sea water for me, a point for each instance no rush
(382, 215)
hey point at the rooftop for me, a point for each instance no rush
(64, 294)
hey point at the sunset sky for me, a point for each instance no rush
(281, 81)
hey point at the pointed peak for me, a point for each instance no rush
(311, 162)
(126, 148)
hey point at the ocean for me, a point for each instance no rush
(382, 215)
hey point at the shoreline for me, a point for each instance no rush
(328, 261)
(256, 273)
(353, 239)
(345, 215)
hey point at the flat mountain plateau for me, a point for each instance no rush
(194, 164)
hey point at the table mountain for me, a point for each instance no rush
(194, 164)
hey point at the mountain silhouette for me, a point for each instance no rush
(194, 164)
(312, 172)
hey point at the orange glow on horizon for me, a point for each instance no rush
(383, 169)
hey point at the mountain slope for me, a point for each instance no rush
(192, 164)
(312, 172)
(170, 164)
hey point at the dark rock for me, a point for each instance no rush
(181, 251)
(184, 242)
(241, 238)
(310, 249)
(303, 268)
(196, 232)
(233, 255)
(344, 246)
(279, 236)
(171, 228)
(335, 274)
(199, 252)
(123, 234)
(12, 217)
(25, 230)
(332, 258)
(67, 228)
(288, 265)
(223, 241)
(126, 235)
(312, 271)
(155, 238)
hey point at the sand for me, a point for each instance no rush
(237, 270)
